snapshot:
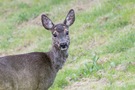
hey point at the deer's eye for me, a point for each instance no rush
(55, 35)
(67, 33)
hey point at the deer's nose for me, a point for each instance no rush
(63, 45)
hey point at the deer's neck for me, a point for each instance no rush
(58, 57)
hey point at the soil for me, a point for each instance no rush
(88, 84)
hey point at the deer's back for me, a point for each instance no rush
(31, 71)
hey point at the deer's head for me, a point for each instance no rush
(60, 32)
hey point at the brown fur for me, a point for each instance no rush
(32, 71)
(37, 70)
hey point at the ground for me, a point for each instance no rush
(101, 54)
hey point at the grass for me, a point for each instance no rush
(102, 38)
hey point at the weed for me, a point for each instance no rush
(106, 28)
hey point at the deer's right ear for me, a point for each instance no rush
(46, 22)
(70, 18)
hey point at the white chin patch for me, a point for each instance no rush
(63, 48)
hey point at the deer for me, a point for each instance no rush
(37, 70)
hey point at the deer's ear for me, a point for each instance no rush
(46, 22)
(70, 18)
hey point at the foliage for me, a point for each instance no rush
(106, 27)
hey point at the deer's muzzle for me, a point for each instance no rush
(63, 46)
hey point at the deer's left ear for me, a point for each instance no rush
(46, 22)
(70, 18)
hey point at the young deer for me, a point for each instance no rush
(37, 70)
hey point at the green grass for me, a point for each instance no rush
(105, 31)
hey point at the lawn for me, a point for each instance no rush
(102, 50)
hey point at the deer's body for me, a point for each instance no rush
(37, 70)
(32, 71)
